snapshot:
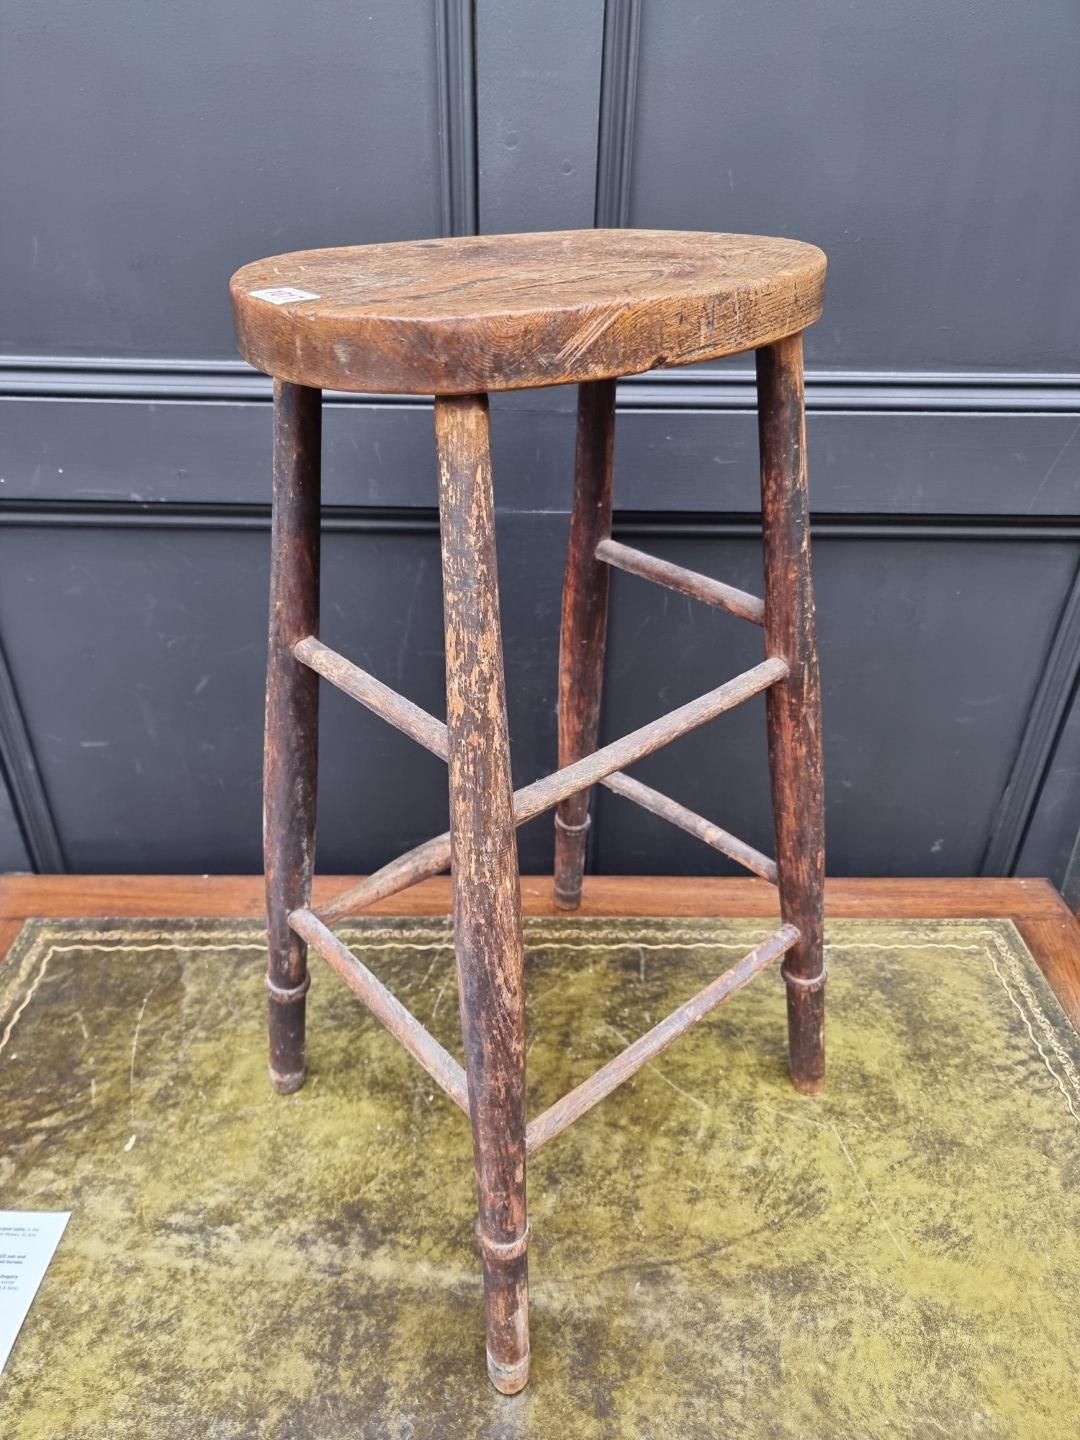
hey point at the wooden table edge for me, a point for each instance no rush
(161, 896)
(1048, 927)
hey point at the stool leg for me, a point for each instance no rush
(793, 706)
(292, 714)
(584, 625)
(487, 903)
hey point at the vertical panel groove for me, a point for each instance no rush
(1049, 708)
(456, 78)
(28, 797)
(618, 100)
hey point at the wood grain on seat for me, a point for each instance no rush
(505, 312)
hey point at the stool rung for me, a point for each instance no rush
(372, 693)
(581, 1099)
(670, 810)
(434, 856)
(420, 863)
(385, 1006)
(686, 582)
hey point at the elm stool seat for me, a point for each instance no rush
(457, 319)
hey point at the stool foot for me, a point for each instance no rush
(285, 1028)
(570, 842)
(806, 1026)
(287, 1084)
(506, 1301)
(506, 1316)
(285, 1023)
(508, 1379)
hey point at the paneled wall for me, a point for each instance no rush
(145, 154)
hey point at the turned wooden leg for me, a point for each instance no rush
(584, 625)
(292, 714)
(794, 705)
(487, 905)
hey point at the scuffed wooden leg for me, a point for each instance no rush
(292, 700)
(487, 906)
(794, 705)
(584, 625)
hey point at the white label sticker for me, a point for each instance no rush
(27, 1242)
(283, 295)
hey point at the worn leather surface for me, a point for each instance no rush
(713, 1254)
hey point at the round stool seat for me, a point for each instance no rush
(507, 312)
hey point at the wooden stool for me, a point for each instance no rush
(456, 319)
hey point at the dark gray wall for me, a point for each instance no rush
(928, 149)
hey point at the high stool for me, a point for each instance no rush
(457, 319)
